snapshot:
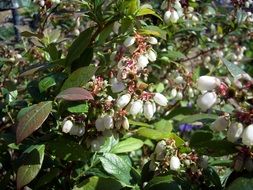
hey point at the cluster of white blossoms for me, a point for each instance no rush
(235, 130)
(173, 14)
(162, 153)
(73, 129)
(208, 97)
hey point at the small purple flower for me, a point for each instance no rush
(185, 127)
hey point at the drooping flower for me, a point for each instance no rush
(123, 100)
(207, 83)
(136, 107)
(174, 163)
(160, 99)
(67, 126)
(148, 110)
(207, 100)
(129, 41)
(235, 131)
(247, 136)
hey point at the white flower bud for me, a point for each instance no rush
(160, 147)
(125, 123)
(190, 92)
(108, 122)
(42, 3)
(152, 40)
(207, 83)
(18, 56)
(220, 124)
(123, 100)
(116, 27)
(117, 86)
(160, 99)
(179, 80)
(95, 145)
(174, 163)
(247, 136)
(151, 55)
(100, 124)
(207, 100)
(148, 110)
(195, 18)
(173, 93)
(81, 131)
(136, 107)
(174, 16)
(166, 17)
(234, 132)
(129, 41)
(76, 32)
(142, 62)
(67, 126)
(179, 95)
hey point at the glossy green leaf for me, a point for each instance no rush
(155, 31)
(137, 123)
(67, 149)
(152, 133)
(198, 117)
(32, 120)
(31, 165)
(117, 167)
(241, 183)
(79, 77)
(128, 145)
(147, 11)
(81, 108)
(98, 183)
(164, 126)
(232, 68)
(162, 183)
(79, 45)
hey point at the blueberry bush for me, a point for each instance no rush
(129, 94)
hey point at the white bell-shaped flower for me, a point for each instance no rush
(142, 62)
(160, 99)
(148, 110)
(152, 40)
(151, 55)
(235, 131)
(108, 122)
(100, 124)
(117, 86)
(81, 131)
(125, 123)
(67, 126)
(160, 146)
(207, 83)
(129, 41)
(136, 107)
(174, 16)
(220, 124)
(174, 163)
(123, 100)
(207, 100)
(247, 136)
(166, 17)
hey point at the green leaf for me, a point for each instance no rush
(79, 77)
(79, 45)
(179, 141)
(81, 108)
(75, 94)
(147, 11)
(200, 136)
(164, 126)
(32, 120)
(137, 123)
(232, 68)
(198, 117)
(211, 175)
(51, 80)
(130, 6)
(127, 145)
(53, 52)
(98, 183)
(241, 183)
(117, 167)
(152, 134)
(153, 30)
(48, 177)
(105, 34)
(31, 165)
(162, 183)
(67, 149)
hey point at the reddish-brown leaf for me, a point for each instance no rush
(75, 94)
(32, 120)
